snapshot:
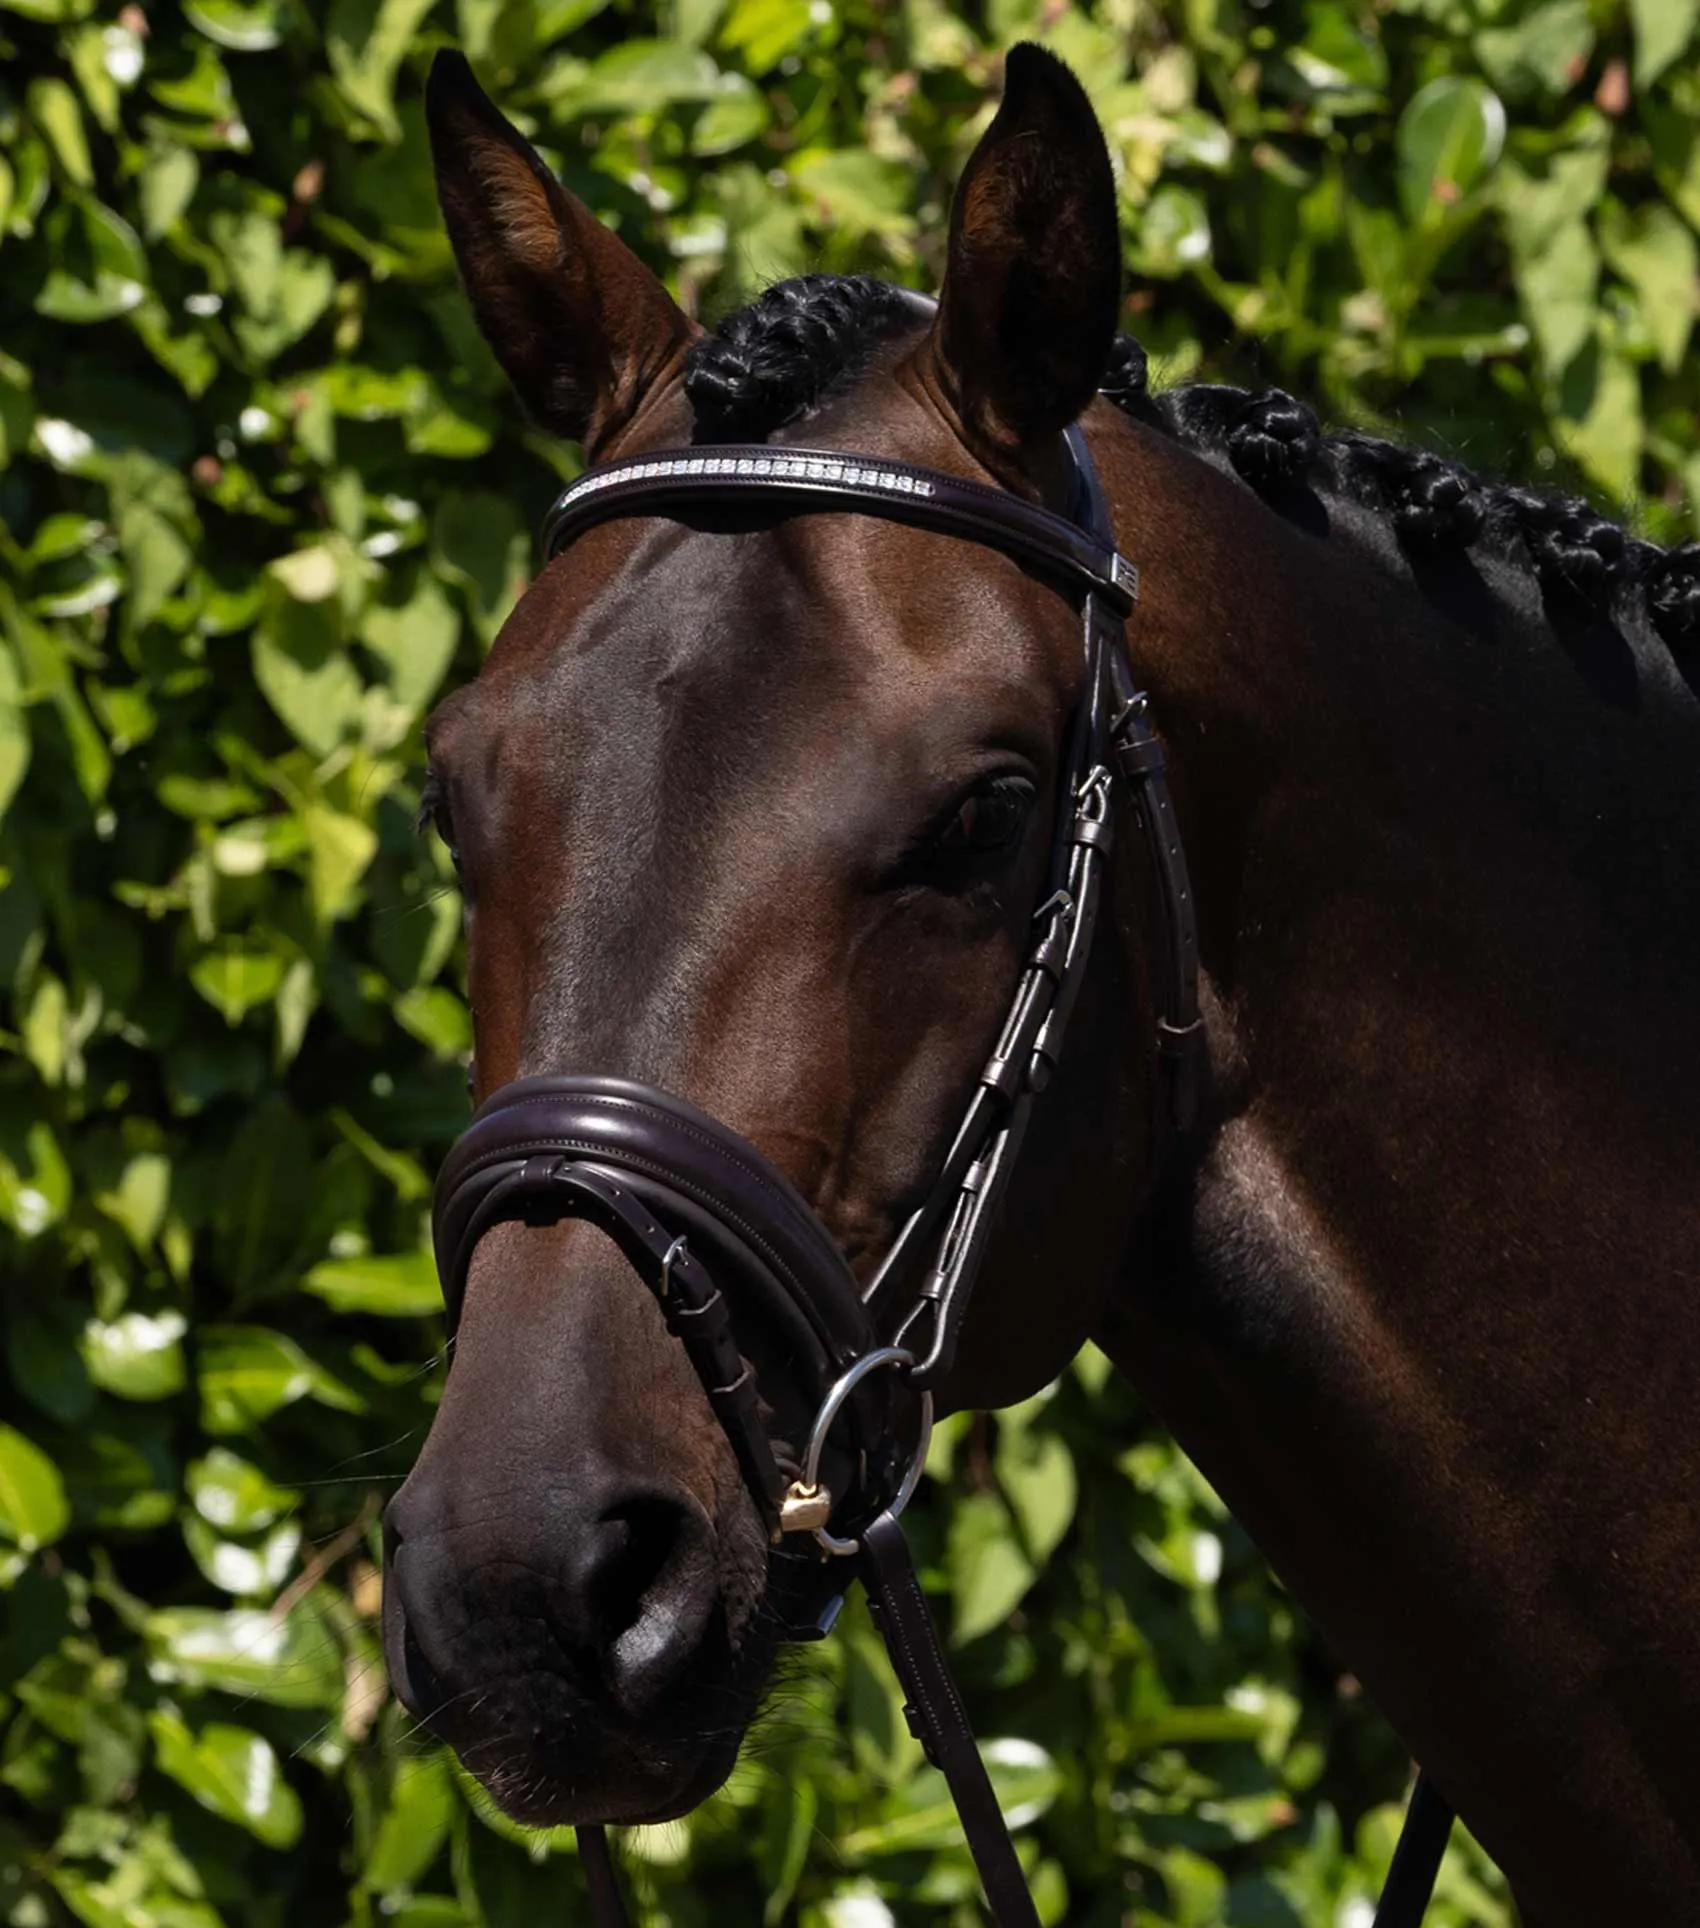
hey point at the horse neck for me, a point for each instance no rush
(1445, 887)
(1440, 1241)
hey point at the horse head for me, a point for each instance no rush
(756, 810)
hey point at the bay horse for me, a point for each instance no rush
(756, 809)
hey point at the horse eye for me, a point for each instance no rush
(990, 818)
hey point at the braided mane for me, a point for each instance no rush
(801, 341)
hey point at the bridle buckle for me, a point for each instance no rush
(804, 1508)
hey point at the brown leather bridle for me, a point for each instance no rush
(717, 1233)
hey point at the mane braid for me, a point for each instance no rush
(799, 342)
(1433, 504)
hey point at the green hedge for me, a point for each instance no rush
(262, 497)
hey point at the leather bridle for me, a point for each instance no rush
(721, 1237)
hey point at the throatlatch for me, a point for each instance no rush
(724, 1241)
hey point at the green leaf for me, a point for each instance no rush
(478, 540)
(165, 189)
(310, 575)
(233, 1495)
(15, 747)
(1449, 138)
(766, 31)
(415, 642)
(922, 1817)
(33, 1508)
(53, 10)
(1656, 254)
(365, 41)
(248, 1572)
(339, 849)
(137, 1355)
(1174, 233)
(305, 675)
(291, 1662)
(415, 1824)
(45, 1364)
(989, 1572)
(436, 1017)
(233, 1773)
(156, 559)
(1663, 28)
(1036, 1474)
(856, 191)
(1544, 52)
(100, 266)
(138, 1201)
(53, 107)
(402, 1286)
(246, 1373)
(234, 980)
(1599, 419)
(244, 26)
(643, 77)
(736, 115)
(1557, 286)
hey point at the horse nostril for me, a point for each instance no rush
(652, 1594)
(641, 1536)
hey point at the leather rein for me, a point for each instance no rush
(718, 1234)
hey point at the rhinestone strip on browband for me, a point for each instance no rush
(801, 468)
(822, 479)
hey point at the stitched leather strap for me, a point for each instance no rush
(937, 1720)
(657, 1140)
(607, 1910)
(1417, 1858)
(777, 480)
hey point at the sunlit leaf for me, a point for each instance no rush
(233, 1495)
(138, 1355)
(233, 1773)
(416, 1822)
(1449, 137)
(923, 1816)
(287, 1662)
(989, 1571)
(244, 26)
(246, 1373)
(33, 1512)
(403, 1286)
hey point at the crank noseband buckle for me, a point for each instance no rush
(740, 1267)
(807, 1505)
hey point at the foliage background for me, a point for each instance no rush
(261, 497)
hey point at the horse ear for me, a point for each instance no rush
(1033, 281)
(581, 326)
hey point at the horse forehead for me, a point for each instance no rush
(769, 626)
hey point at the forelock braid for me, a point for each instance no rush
(775, 359)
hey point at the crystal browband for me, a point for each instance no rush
(822, 479)
(778, 466)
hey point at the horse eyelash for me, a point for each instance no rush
(430, 802)
(433, 811)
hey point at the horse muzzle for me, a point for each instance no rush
(747, 1279)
